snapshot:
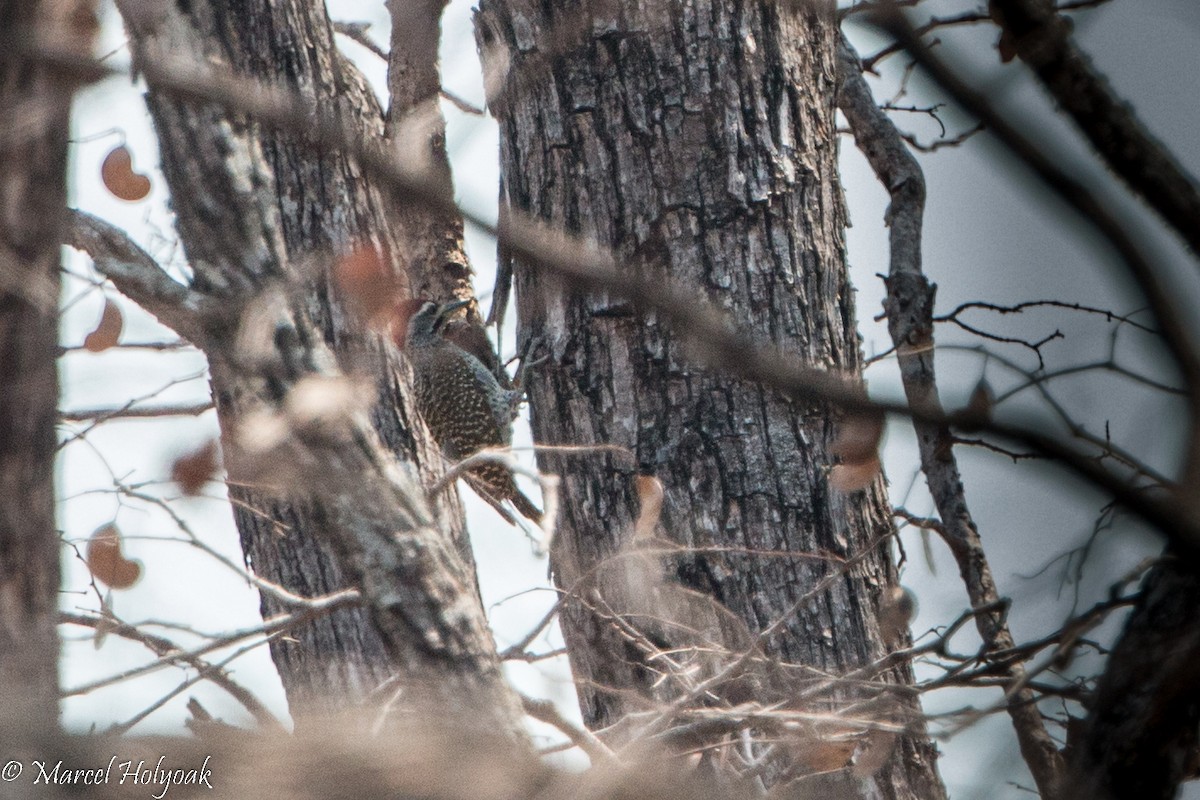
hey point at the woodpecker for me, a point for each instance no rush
(464, 405)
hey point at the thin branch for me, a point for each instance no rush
(532, 658)
(461, 104)
(129, 406)
(934, 23)
(938, 144)
(162, 701)
(1043, 40)
(131, 411)
(663, 719)
(262, 584)
(909, 306)
(1104, 445)
(1018, 308)
(1163, 303)
(518, 649)
(1015, 455)
(923, 523)
(584, 739)
(157, 347)
(937, 23)
(357, 32)
(137, 275)
(166, 648)
(318, 607)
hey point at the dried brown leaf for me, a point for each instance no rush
(369, 285)
(979, 407)
(108, 330)
(106, 562)
(873, 752)
(85, 25)
(119, 177)
(854, 477)
(858, 438)
(817, 755)
(896, 611)
(193, 470)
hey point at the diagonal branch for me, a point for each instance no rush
(317, 607)
(1163, 301)
(909, 306)
(1177, 333)
(1042, 38)
(165, 648)
(137, 275)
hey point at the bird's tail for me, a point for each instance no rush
(497, 485)
(526, 508)
(484, 492)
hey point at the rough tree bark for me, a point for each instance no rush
(33, 161)
(255, 208)
(697, 140)
(416, 129)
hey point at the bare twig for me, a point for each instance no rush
(909, 307)
(131, 411)
(584, 739)
(317, 607)
(938, 144)
(1043, 40)
(1163, 304)
(123, 410)
(663, 718)
(262, 584)
(518, 649)
(1018, 308)
(157, 347)
(357, 32)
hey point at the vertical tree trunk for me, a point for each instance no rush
(323, 207)
(416, 130)
(697, 140)
(33, 160)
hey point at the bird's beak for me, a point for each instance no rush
(452, 306)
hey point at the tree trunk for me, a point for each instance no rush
(1140, 736)
(260, 212)
(698, 142)
(33, 160)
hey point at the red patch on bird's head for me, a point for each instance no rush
(401, 314)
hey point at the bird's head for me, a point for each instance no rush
(427, 321)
